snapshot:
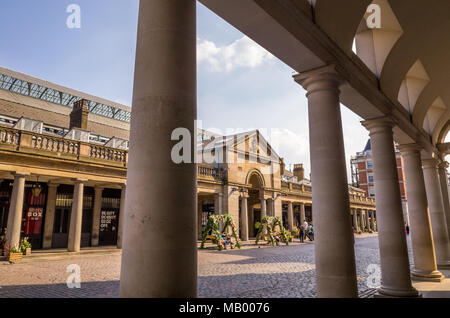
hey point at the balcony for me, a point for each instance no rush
(210, 173)
(31, 143)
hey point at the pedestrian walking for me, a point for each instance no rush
(311, 232)
(301, 233)
(305, 226)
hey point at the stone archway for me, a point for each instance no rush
(255, 182)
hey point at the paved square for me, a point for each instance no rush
(284, 271)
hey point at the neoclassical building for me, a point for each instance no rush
(63, 164)
(251, 181)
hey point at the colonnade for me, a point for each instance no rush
(76, 215)
(160, 231)
(363, 220)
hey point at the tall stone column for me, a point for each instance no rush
(361, 220)
(122, 216)
(372, 220)
(159, 255)
(355, 220)
(218, 197)
(445, 197)
(421, 237)
(368, 221)
(263, 211)
(16, 211)
(437, 213)
(49, 215)
(290, 216)
(270, 207)
(263, 208)
(395, 272)
(76, 217)
(334, 250)
(96, 216)
(244, 217)
(302, 213)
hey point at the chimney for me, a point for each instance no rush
(79, 115)
(282, 166)
(299, 172)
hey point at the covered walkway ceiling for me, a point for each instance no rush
(402, 68)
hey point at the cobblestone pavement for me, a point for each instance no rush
(284, 271)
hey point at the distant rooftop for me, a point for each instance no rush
(26, 85)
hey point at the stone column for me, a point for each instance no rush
(49, 215)
(263, 211)
(270, 207)
(290, 216)
(76, 217)
(334, 250)
(96, 216)
(263, 208)
(444, 186)
(244, 217)
(355, 220)
(122, 217)
(302, 213)
(421, 237)
(361, 220)
(437, 214)
(159, 254)
(395, 272)
(368, 221)
(16, 211)
(372, 219)
(218, 197)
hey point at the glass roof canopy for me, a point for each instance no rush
(30, 89)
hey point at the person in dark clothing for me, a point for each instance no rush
(301, 233)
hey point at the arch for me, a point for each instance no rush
(412, 86)
(373, 45)
(442, 129)
(255, 173)
(434, 115)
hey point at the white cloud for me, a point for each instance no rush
(241, 53)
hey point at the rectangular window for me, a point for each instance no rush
(369, 165)
(370, 179)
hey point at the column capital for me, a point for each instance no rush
(52, 184)
(379, 124)
(430, 163)
(99, 188)
(323, 78)
(443, 164)
(79, 180)
(20, 174)
(410, 148)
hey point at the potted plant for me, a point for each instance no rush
(25, 246)
(14, 254)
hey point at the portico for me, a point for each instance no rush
(394, 82)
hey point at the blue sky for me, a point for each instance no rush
(240, 86)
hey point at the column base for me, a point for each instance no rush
(434, 276)
(391, 293)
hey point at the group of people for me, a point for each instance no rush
(306, 230)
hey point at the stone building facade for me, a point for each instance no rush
(362, 167)
(63, 165)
